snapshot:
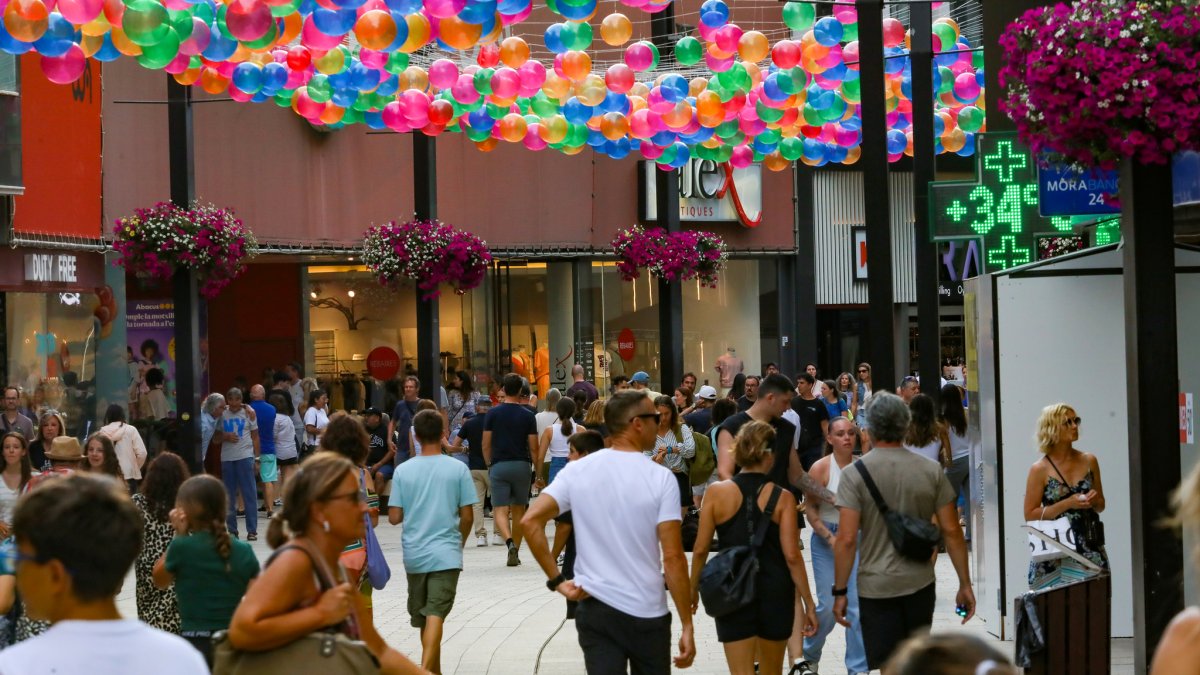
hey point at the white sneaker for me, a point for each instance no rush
(496, 540)
(481, 540)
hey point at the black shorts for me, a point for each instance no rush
(887, 622)
(769, 617)
(685, 488)
(291, 461)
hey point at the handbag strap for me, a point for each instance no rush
(760, 532)
(871, 487)
(325, 579)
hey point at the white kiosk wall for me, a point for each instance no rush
(1059, 328)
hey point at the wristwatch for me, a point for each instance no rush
(554, 583)
(840, 591)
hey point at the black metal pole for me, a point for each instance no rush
(1152, 364)
(184, 287)
(429, 347)
(670, 295)
(881, 311)
(924, 171)
(805, 276)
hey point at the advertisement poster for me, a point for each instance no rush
(150, 333)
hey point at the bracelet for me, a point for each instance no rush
(838, 592)
(554, 583)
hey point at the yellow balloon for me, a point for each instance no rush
(554, 129)
(556, 87)
(329, 63)
(418, 33)
(616, 29)
(96, 27)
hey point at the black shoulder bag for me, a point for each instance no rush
(913, 538)
(728, 581)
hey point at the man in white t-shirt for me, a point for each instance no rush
(76, 538)
(625, 507)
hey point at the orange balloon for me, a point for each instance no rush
(458, 33)
(554, 129)
(122, 43)
(591, 90)
(569, 150)
(576, 65)
(212, 82)
(639, 89)
(498, 28)
(417, 78)
(697, 85)
(754, 72)
(501, 102)
(487, 144)
(375, 29)
(418, 33)
(636, 103)
(678, 117)
(557, 88)
(188, 77)
(776, 162)
(616, 29)
(852, 155)
(26, 20)
(513, 127)
(90, 44)
(96, 27)
(514, 52)
(614, 126)
(708, 103)
(753, 46)
(716, 53)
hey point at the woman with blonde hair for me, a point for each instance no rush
(1179, 651)
(303, 589)
(731, 508)
(1066, 482)
(50, 427)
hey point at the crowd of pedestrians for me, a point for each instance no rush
(633, 480)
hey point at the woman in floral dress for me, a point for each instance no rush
(164, 475)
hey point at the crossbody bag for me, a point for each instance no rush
(914, 538)
(729, 580)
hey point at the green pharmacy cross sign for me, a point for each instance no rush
(1000, 207)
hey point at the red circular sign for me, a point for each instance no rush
(625, 344)
(383, 363)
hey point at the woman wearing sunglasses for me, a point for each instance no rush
(323, 507)
(1065, 482)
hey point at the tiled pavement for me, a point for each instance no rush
(504, 621)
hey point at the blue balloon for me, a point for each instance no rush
(968, 147)
(402, 6)
(813, 149)
(107, 52)
(764, 147)
(220, 46)
(614, 102)
(771, 88)
(58, 38)
(13, 46)
(682, 155)
(275, 75)
(596, 139)
(478, 11)
(373, 119)
(332, 22)
(248, 77)
(896, 142)
(577, 112)
(553, 38)
(577, 13)
(401, 31)
(349, 4)
(674, 87)
(512, 6)
(896, 60)
(939, 125)
(388, 86)
(714, 13)
(480, 120)
(618, 149)
(663, 138)
(827, 31)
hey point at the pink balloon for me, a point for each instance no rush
(198, 40)
(718, 65)
(726, 37)
(510, 19)
(505, 82)
(444, 9)
(443, 73)
(650, 150)
(415, 105)
(239, 95)
(179, 64)
(313, 38)
(619, 78)
(637, 56)
(305, 106)
(533, 75)
(373, 59)
(850, 55)
(248, 20)
(533, 138)
(657, 103)
(464, 90)
(80, 12)
(392, 116)
(67, 68)
(705, 31)
(742, 157)
(639, 125)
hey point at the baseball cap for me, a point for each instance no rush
(372, 411)
(708, 393)
(640, 376)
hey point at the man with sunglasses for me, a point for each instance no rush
(625, 508)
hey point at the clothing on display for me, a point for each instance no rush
(729, 365)
(541, 369)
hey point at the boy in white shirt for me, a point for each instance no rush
(76, 539)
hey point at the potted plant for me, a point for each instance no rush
(153, 243)
(678, 256)
(427, 253)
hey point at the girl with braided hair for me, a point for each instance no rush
(210, 569)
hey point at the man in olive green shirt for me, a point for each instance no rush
(896, 594)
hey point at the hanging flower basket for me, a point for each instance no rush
(427, 253)
(679, 256)
(153, 243)
(1096, 81)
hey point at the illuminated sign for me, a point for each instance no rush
(709, 192)
(1064, 190)
(50, 267)
(1000, 207)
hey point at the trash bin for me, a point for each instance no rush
(1065, 629)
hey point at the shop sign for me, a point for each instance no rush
(383, 363)
(49, 268)
(1187, 419)
(1064, 190)
(858, 242)
(709, 192)
(626, 345)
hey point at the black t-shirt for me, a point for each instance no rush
(379, 446)
(472, 434)
(782, 449)
(403, 415)
(511, 425)
(568, 566)
(812, 412)
(743, 404)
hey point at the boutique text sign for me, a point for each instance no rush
(709, 192)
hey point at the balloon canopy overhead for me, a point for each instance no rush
(781, 87)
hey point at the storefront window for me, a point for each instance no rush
(52, 355)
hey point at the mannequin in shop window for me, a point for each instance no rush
(541, 369)
(729, 366)
(522, 363)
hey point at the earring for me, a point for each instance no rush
(325, 525)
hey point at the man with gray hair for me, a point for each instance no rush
(896, 592)
(239, 451)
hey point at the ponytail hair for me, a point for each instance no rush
(203, 500)
(566, 410)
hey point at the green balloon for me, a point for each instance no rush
(945, 33)
(396, 63)
(799, 15)
(577, 135)
(478, 135)
(576, 36)
(283, 98)
(668, 155)
(767, 113)
(483, 80)
(203, 11)
(791, 148)
(532, 119)
(543, 106)
(726, 129)
(724, 153)
(849, 32)
(947, 84)
(319, 89)
(811, 115)
(290, 7)
(852, 91)
(772, 136)
(161, 53)
(351, 116)
(181, 21)
(792, 81)
(970, 119)
(688, 51)
(496, 112)
(145, 22)
(736, 78)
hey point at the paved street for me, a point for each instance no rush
(505, 622)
